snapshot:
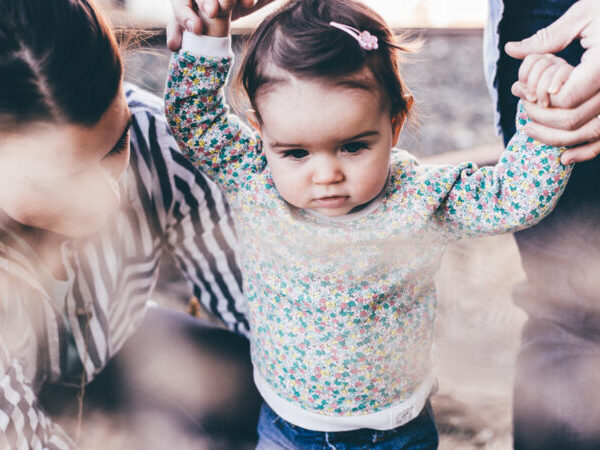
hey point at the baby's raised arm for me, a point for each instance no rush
(521, 189)
(217, 142)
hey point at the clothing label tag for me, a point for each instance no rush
(403, 417)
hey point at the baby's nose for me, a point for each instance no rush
(327, 171)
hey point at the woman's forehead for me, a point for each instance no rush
(54, 150)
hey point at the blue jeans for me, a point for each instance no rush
(276, 433)
(556, 394)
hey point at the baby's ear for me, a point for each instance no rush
(400, 118)
(252, 118)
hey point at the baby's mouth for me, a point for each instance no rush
(332, 201)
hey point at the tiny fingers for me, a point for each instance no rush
(526, 67)
(560, 77)
(551, 80)
(519, 89)
(542, 90)
(541, 64)
(542, 76)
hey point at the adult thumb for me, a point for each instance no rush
(554, 37)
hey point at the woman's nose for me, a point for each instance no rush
(327, 171)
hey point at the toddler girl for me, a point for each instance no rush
(341, 235)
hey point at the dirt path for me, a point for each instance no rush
(477, 338)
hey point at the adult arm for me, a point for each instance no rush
(572, 119)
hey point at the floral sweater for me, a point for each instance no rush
(342, 310)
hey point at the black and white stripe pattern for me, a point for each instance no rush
(167, 207)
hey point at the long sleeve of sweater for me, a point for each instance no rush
(521, 189)
(216, 142)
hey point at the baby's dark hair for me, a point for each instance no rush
(59, 62)
(299, 39)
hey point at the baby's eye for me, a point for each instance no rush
(354, 147)
(296, 153)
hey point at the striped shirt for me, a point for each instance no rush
(47, 324)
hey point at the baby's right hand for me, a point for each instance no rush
(541, 76)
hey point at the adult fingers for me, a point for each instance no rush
(554, 37)
(534, 75)
(559, 118)
(581, 153)
(543, 85)
(583, 82)
(589, 132)
(174, 35)
(247, 7)
(185, 16)
(566, 118)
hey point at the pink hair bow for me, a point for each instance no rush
(365, 39)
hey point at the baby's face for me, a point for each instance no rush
(327, 145)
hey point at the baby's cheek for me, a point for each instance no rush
(288, 190)
(291, 188)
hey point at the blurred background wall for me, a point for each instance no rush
(453, 109)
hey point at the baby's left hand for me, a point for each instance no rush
(541, 76)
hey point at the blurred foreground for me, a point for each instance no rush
(477, 338)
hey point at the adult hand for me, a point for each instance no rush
(186, 15)
(573, 118)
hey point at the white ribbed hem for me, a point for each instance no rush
(211, 46)
(387, 419)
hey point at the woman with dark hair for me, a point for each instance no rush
(93, 191)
